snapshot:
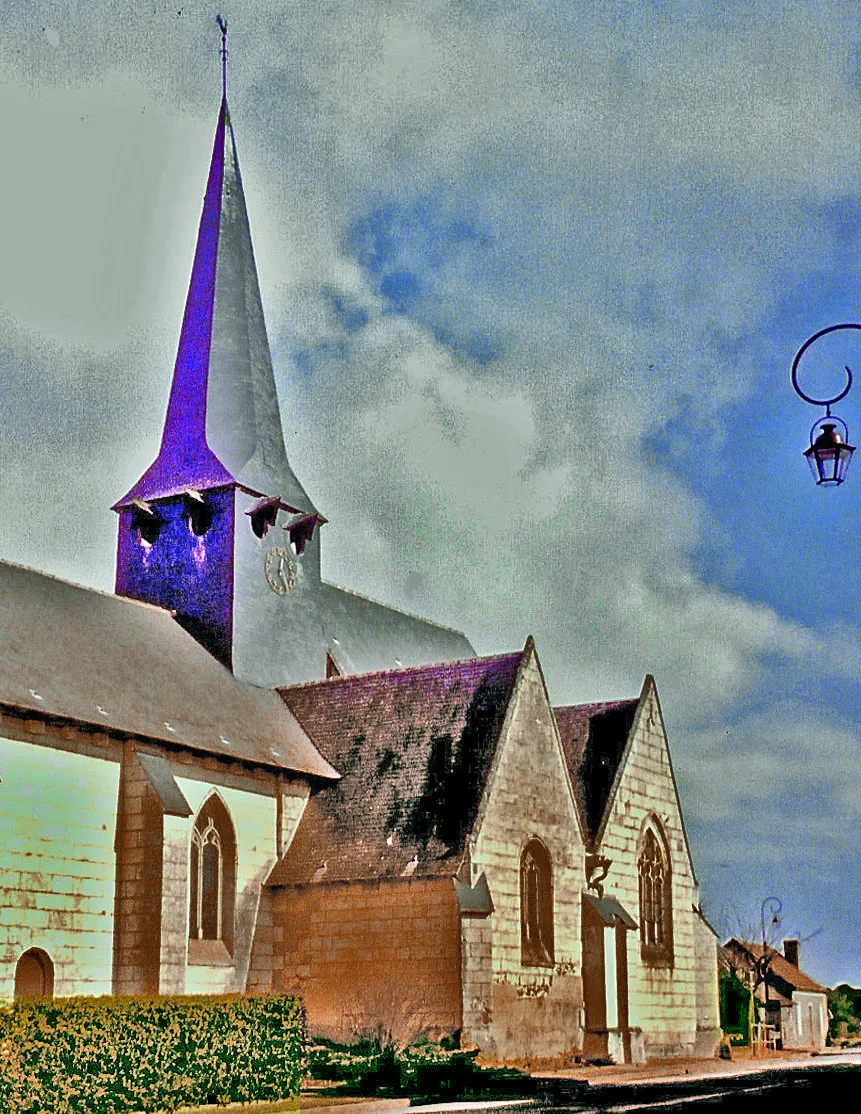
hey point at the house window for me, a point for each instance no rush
(536, 905)
(34, 975)
(212, 875)
(656, 899)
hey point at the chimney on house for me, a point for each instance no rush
(790, 951)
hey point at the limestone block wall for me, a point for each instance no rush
(532, 1010)
(477, 983)
(663, 1001)
(371, 954)
(138, 894)
(291, 804)
(57, 816)
(708, 1002)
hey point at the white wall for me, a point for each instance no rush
(534, 1010)
(57, 820)
(807, 1023)
(254, 817)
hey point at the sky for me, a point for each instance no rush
(534, 274)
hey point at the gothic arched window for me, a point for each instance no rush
(34, 975)
(212, 872)
(656, 899)
(536, 905)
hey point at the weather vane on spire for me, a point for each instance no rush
(222, 24)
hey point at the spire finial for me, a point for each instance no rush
(222, 24)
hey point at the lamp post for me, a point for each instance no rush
(765, 960)
(830, 452)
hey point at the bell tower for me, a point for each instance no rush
(218, 528)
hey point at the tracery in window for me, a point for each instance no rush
(536, 905)
(656, 898)
(212, 871)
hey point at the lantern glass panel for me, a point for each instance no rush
(829, 463)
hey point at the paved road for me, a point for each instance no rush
(820, 1088)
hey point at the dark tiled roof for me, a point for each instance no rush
(75, 653)
(780, 969)
(413, 747)
(593, 740)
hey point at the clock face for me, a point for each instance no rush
(280, 571)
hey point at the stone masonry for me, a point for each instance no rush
(532, 1010)
(662, 999)
(57, 872)
(369, 957)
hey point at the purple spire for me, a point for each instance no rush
(223, 423)
(185, 459)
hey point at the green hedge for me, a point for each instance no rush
(114, 1055)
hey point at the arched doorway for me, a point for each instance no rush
(34, 975)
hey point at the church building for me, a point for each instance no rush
(233, 776)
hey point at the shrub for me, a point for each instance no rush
(115, 1055)
(425, 1072)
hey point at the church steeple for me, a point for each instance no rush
(220, 500)
(223, 423)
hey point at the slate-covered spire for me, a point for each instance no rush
(223, 424)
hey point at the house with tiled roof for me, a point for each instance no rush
(792, 1005)
(231, 775)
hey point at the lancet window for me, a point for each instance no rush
(536, 905)
(212, 870)
(656, 898)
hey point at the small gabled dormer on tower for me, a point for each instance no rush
(220, 496)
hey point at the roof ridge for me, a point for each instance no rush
(399, 610)
(427, 666)
(596, 704)
(104, 592)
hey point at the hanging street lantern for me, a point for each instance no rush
(830, 452)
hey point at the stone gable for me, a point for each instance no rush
(523, 1009)
(662, 998)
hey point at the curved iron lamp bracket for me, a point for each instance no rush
(826, 402)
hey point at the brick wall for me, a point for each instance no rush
(532, 1010)
(663, 1001)
(368, 953)
(57, 814)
